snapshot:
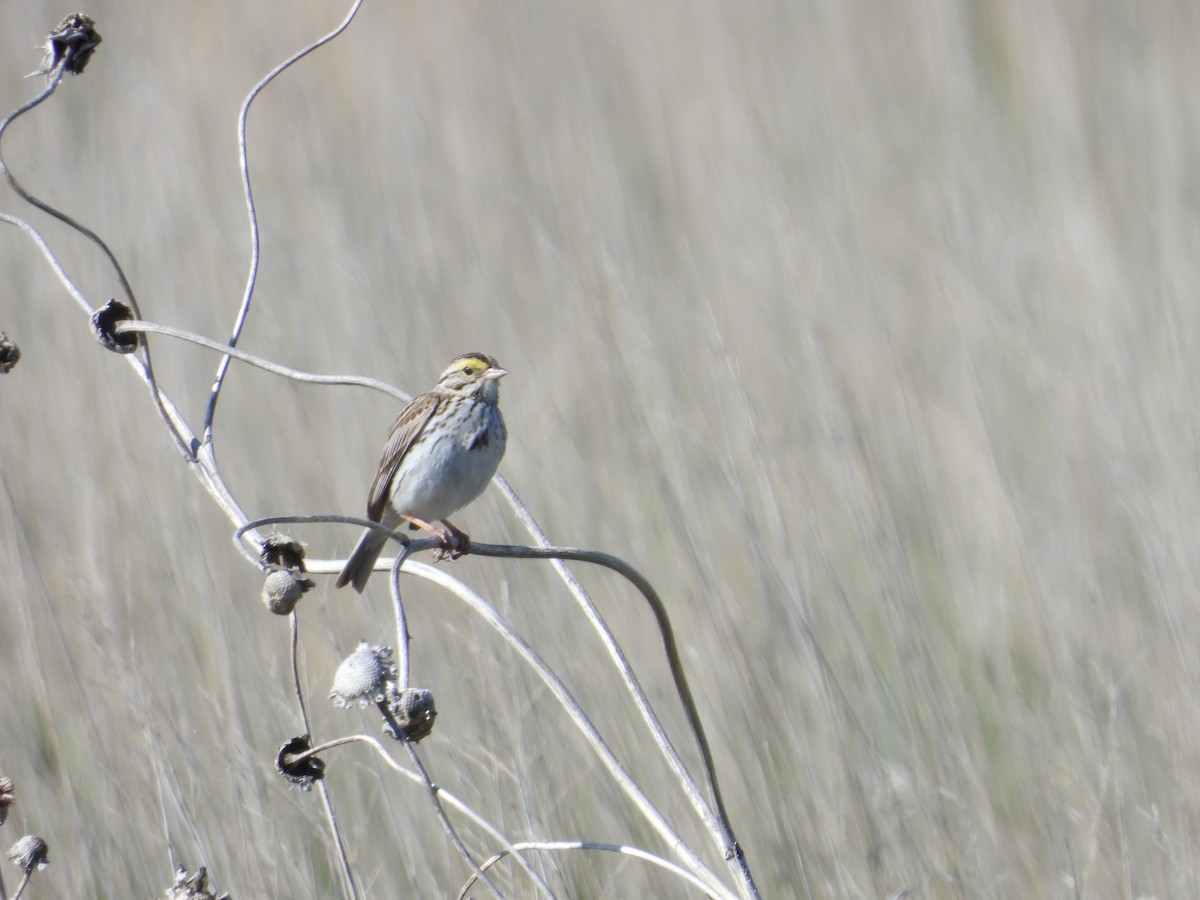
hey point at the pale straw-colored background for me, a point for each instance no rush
(868, 331)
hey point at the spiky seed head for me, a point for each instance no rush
(363, 676)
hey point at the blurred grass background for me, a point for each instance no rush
(867, 331)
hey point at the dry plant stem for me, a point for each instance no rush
(633, 576)
(349, 885)
(21, 887)
(402, 658)
(434, 790)
(568, 846)
(446, 796)
(295, 657)
(618, 772)
(177, 427)
(274, 368)
(255, 242)
(719, 827)
(52, 85)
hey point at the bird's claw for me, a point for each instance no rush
(455, 545)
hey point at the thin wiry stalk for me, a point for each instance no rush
(133, 326)
(568, 702)
(52, 84)
(21, 887)
(255, 242)
(667, 634)
(623, 849)
(719, 826)
(441, 813)
(293, 650)
(55, 265)
(177, 426)
(447, 797)
(402, 656)
(349, 886)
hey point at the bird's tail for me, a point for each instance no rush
(361, 563)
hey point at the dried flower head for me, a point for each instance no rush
(192, 887)
(363, 676)
(283, 589)
(10, 354)
(281, 550)
(75, 40)
(105, 321)
(8, 795)
(302, 773)
(30, 852)
(412, 712)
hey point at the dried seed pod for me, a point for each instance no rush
(281, 550)
(412, 711)
(283, 589)
(302, 773)
(105, 321)
(30, 852)
(75, 40)
(10, 354)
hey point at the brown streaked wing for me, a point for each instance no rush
(405, 431)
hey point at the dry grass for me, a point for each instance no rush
(867, 331)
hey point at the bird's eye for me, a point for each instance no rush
(468, 369)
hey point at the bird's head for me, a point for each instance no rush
(473, 374)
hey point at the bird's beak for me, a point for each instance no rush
(494, 374)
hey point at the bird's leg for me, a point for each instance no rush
(454, 542)
(462, 543)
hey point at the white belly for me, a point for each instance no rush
(445, 477)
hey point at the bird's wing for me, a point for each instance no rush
(405, 431)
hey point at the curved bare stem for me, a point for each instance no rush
(250, 359)
(718, 825)
(52, 84)
(255, 242)
(568, 702)
(446, 796)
